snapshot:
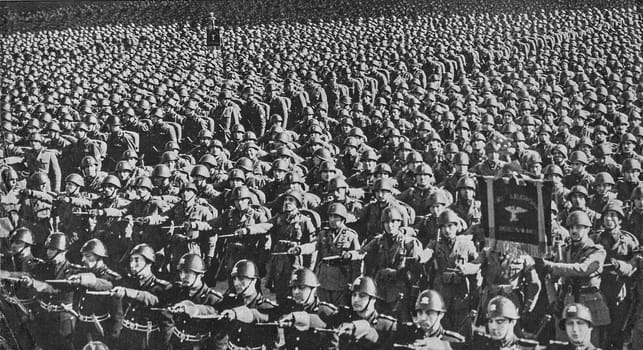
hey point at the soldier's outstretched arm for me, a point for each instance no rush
(587, 266)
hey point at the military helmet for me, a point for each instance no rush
(39, 178)
(76, 179)
(123, 166)
(637, 192)
(604, 178)
(144, 250)
(369, 155)
(578, 156)
(337, 209)
(161, 170)
(191, 262)
(245, 268)
(580, 189)
(423, 169)
(208, 160)
(578, 217)
(501, 306)
(631, 164)
(303, 277)
(57, 241)
(281, 164)
(461, 158)
(466, 182)
(169, 156)
(241, 192)
(22, 234)
(88, 161)
(94, 246)
(614, 206)
(337, 182)
(391, 214)
(383, 185)
(576, 310)
(35, 137)
(200, 170)
(144, 182)
(553, 169)
(438, 197)
(129, 154)
(448, 217)
(430, 300)
(366, 285)
(297, 195)
(111, 180)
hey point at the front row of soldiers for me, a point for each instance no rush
(54, 304)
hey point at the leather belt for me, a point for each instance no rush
(99, 318)
(148, 328)
(232, 346)
(185, 337)
(54, 307)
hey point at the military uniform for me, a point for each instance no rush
(334, 273)
(311, 338)
(379, 336)
(407, 333)
(247, 336)
(45, 161)
(417, 198)
(117, 143)
(481, 341)
(142, 326)
(470, 211)
(35, 214)
(110, 229)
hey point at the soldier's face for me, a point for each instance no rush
(302, 295)
(427, 320)
(436, 209)
(279, 174)
(142, 192)
(423, 180)
(631, 175)
(638, 203)
(89, 260)
(578, 200)
(335, 221)
(242, 203)
(109, 191)
(17, 247)
(382, 196)
(449, 230)
(611, 220)
(243, 285)
(187, 196)
(289, 204)
(578, 331)
(467, 194)
(603, 189)
(123, 175)
(71, 188)
(188, 278)
(137, 264)
(360, 301)
(90, 170)
(392, 226)
(578, 232)
(500, 328)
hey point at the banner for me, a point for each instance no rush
(516, 214)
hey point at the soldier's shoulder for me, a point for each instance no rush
(162, 283)
(112, 275)
(267, 304)
(556, 344)
(453, 337)
(211, 293)
(325, 308)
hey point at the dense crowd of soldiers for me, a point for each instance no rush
(156, 187)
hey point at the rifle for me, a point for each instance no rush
(107, 293)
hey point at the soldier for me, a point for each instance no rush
(118, 142)
(502, 316)
(394, 267)
(335, 273)
(603, 184)
(453, 267)
(137, 292)
(35, 209)
(370, 218)
(57, 317)
(426, 331)
(581, 271)
(92, 175)
(631, 171)
(616, 283)
(200, 175)
(163, 185)
(293, 236)
(577, 322)
(242, 215)
(83, 147)
(427, 227)
(578, 175)
(417, 196)
(98, 318)
(39, 159)
(577, 198)
(69, 203)
(245, 305)
(466, 204)
(190, 297)
(633, 221)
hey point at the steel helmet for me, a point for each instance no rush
(501, 306)
(461, 158)
(578, 156)
(111, 180)
(438, 197)
(245, 164)
(241, 192)
(39, 179)
(237, 174)
(57, 241)
(423, 169)
(123, 166)
(208, 159)
(88, 161)
(553, 169)
(337, 182)
(144, 250)
(169, 156)
(129, 154)
(9, 173)
(366, 285)
(580, 189)
(35, 137)
(448, 217)
(369, 155)
(391, 214)
(191, 262)
(205, 134)
(161, 170)
(466, 182)
(144, 182)
(94, 246)
(631, 164)
(245, 268)
(190, 186)
(383, 185)
(614, 206)
(303, 277)
(578, 217)
(603, 178)
(637, 192)
(576, 310)
(383, 168)
(22, 234)
(297, 195)
(200, 170)
(281, 164)
(76, 179)
(430, 300)
(337, 209)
